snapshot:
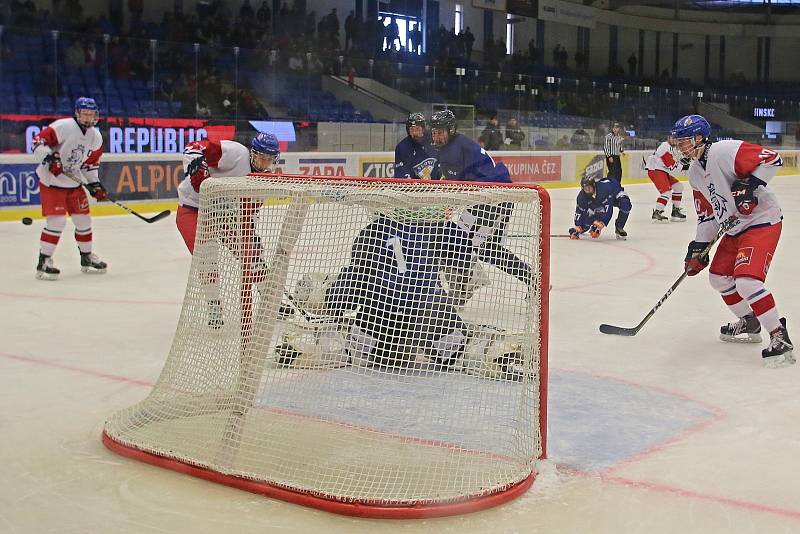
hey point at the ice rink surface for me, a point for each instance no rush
(668, 431)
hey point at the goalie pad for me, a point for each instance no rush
(307, 345)
(491, 353)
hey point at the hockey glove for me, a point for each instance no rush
(53, 162)
(695, 261)
(596, 228)
(744, 195)
(97, 190)
(198, 172)
(575, 232)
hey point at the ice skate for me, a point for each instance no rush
(659, 217)
(779, 351)
(215, 320)
(45, 270)
(677, 215)
(745, 330)
(621, 234)
(91, 264)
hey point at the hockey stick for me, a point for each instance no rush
(149, 220)
(622, 331)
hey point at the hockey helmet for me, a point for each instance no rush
(415, 119)
(685, 131)
(83, 104)
(443, 120)
(690, 126)
(264, 152)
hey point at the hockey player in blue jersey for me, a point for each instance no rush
(413, 156)
(595, 205)
(394, 308)
(462, 159)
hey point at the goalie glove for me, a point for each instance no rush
(596, 228)
(97, 190)
(53, 163)
(309, 294)
(695, 261)
(743, 191)
(197, 170)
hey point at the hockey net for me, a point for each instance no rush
(369, 347)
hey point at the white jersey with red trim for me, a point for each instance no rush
(712, 175)
(224, 158)
(665, 158)
(79, 149)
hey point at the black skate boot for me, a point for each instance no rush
(677, 215)
(215, 320)
(45, 270)
(779, 351)
(745, 330)
(91, 264)
(620, 234)
(659, 217)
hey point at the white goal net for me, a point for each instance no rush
(369, 347)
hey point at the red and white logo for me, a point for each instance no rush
(743, 257)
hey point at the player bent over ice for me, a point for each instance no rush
(396, 312)
(205, 160)
(730, 178)
(595, 205)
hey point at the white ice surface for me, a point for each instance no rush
(701, 437)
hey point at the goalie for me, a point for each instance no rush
(395, 313)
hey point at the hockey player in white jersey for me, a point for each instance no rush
(660, 165)
(204, 160)
(68, 150)
(730, 178)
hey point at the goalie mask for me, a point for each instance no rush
(264, 152)
(86, 112)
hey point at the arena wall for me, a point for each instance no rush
(150, 181)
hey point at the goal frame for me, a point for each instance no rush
(379, 510)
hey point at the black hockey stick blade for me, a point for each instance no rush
(158, 216)
(618, 330)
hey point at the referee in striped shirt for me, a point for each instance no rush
(613, 150)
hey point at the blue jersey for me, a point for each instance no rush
(393, 277)
(463, 159)
(414, 160)
(600, 206)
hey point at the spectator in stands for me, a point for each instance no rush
(632, 64)
(295, 62)
(491, 138)
(563, 143)
(469, 41)
(580, 139)
(264, 15)
(349, 29)
(74, 56)
(514, 135)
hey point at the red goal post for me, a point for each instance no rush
(370, 347)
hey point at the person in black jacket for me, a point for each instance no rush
(491, 138)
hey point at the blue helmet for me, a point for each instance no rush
(691, 125)
(85, 102)
(264, 143)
